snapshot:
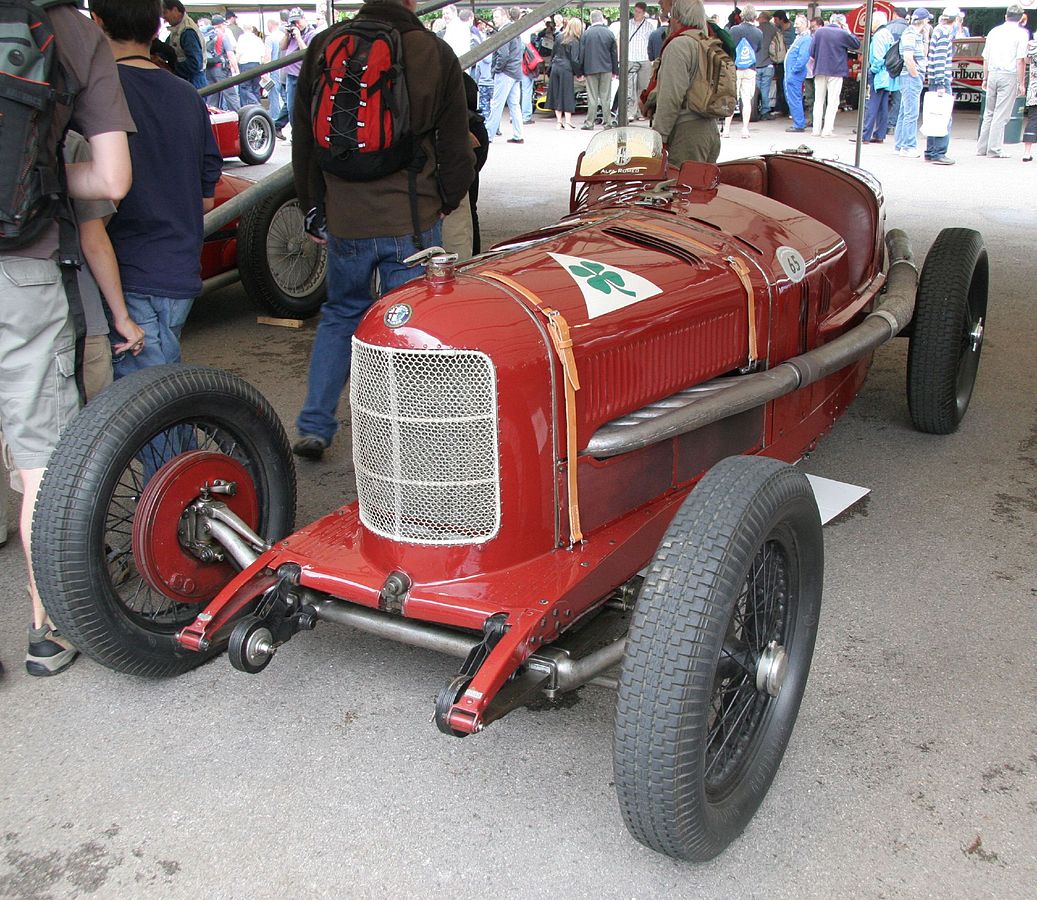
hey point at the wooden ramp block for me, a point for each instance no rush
(280, 323)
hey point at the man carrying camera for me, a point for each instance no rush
(297, 36)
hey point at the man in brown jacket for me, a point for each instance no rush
(371, 225)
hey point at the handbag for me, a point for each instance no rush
(936, 113)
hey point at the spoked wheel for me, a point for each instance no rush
(115, 567)
(947, 331)
(256, 135)
(280, 266)
(717, 657)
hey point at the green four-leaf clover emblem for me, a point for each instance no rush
(600, 278)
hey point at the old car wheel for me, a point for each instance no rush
(947, 330)
(717, 657)
(256, 132)
(111, 567)
(280, 266)
(251, 646)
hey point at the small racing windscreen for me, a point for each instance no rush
(619, 152)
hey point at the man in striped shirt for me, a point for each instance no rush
(912, 48)
(640, 69)
(938, 75)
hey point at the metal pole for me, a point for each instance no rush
(624, 63)
(506, 34)
(862, 92)
(218, 86)
(240, 203)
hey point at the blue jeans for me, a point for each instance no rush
(764, 77)
(248, 91)
(794, 98)
(505, 90)
(227, 99)
(274, 99)
(162, 319)
(527, 97)
(906, 134)
(290, 83)
(351, 265)
(894, 110)
(876, 112)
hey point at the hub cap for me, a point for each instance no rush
(259, 647)
(770, 670)
(166, 565)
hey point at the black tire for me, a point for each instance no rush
(747, 515)
(241, 648)
(256, 134)
(947, 330)
(83, 558)
(280, 266)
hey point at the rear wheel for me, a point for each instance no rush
(108, 551)
(280, 266)
(256, 133)
(717, 657)
(947, 330)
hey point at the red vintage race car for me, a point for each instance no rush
(267, 249)
(247, 134)
(572, 453)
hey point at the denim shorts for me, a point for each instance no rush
(38, 395)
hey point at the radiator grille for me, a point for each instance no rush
(425, 444)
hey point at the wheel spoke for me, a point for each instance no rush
(750, 700)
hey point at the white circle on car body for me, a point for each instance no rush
(792, 263)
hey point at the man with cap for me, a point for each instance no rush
(912, 48)
(1004, 79)
(222, 62)
(297, 36)
(938, 77)
(232, 24)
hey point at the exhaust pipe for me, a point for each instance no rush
(747, 392)
(565, 673)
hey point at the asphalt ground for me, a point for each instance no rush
(912, 771)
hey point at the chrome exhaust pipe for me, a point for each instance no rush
(747, 392)
(565, 673)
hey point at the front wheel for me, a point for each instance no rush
(256, 135)
(947, 330)
(280, 266)
(115, 569)
(717, 657)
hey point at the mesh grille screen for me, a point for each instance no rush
(425, 444)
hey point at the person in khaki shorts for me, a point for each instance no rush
(37, 349)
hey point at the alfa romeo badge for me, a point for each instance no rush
(398, 314)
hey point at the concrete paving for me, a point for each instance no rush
(912, 771)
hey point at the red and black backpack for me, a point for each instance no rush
(361, 109)
(36, 96)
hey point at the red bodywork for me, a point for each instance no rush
(226, 129)
(697, 328)
(220, 250)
